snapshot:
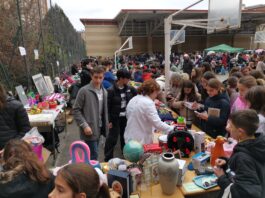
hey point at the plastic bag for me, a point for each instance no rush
(34, 137)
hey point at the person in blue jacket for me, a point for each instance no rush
(109, 78)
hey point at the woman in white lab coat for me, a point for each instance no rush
(142, 116)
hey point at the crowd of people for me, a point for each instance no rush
(105, 104)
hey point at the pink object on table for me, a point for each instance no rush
(83, 148)
(229, 147)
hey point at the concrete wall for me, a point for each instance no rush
(102, 40)
(260, 45)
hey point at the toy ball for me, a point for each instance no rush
(132, 151)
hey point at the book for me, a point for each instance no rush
(214, 112)
(120, 181)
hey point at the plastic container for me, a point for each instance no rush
(229, 147)
(218, 149)
(38, 150)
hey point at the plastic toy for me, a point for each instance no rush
(85, 154)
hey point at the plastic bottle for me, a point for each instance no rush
(181, 123)
(218, 149)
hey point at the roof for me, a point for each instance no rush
(143, 22)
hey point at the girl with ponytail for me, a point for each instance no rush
(79, 181)
(23, 174)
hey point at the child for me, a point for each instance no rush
(187, 94)
(243, 175)
(255, 98)
(217, 109)
(232, 89)
(244, 84)
(23, 174)
(79, 180)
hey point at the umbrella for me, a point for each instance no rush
(210, 52)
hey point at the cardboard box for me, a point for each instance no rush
(45, 154)
(182, 171)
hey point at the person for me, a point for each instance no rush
(74, 69)
(119, 96)
(261, 64)
(245, 70)
(23, 174)
(195, 77)
(14, 121)
(255, 97)
(109, 78)
(243, 175)
(79, 180)
(202, 87)
(216, 110)
(90, 111)
(142, 115)
(138, 74)
(232, 89)
(205, 67)
(85, 75)
(187, 64)
(244, 84)
(188, 94)
(175, 86)
(259, 77)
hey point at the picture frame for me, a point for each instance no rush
(40, 84)
(49, 83)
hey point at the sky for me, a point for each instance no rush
(108, 9)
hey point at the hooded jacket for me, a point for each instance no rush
(248, 164)
(14, 121)
(215, 126)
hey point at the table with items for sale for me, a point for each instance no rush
(47, 119)
(186, 187)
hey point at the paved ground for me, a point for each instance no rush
(72, 134)
(65, 141)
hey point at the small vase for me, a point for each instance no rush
(168, 168)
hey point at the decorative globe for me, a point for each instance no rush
(132, 151)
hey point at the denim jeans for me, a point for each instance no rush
(93, 146)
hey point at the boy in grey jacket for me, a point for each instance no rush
(91, 112)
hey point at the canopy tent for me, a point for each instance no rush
(224, 48)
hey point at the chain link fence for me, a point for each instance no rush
(51, 42)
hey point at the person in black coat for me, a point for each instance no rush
(243, 175)
(23, 174)
(119, 96)
(216, 110)
(14, 121)
(187, 64)
(85, 75)
(74, 69)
